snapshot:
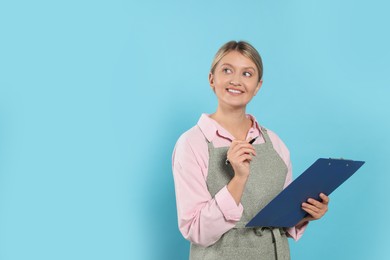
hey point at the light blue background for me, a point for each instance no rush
(94, 94)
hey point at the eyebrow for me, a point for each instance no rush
(233, 66)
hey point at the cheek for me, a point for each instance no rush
(221, 81)
(254, 84)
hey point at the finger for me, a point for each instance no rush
(239, 141)
(243, 143)
(316, 203)
(240, 146)
(233, 144)
(233, 147)
(325, 199)
(249, 150)
(312, 213)
(244, 157)
(311, 207)
(246, 145)
(236, 143)
(231, 155)
(239, 158)
(320, 211)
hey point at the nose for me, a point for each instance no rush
(235, 81)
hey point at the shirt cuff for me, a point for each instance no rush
(228, 205)
(296, 233)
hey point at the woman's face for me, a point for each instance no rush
(235, 80)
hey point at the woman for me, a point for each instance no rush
(224, 176)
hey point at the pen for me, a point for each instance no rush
(251, 142)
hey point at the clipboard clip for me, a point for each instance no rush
(341, 159)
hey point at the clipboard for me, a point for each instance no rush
(324, 175)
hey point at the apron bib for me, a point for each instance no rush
(267, 177)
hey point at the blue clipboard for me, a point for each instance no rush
(325, 175)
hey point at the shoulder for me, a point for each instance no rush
(191, 143)
(196, 134)
(190, 137)
(190, 154)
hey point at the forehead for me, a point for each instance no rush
(237, 59)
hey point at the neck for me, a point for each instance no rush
(233, 120)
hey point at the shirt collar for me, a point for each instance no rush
(211, 129)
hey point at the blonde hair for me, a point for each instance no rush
(242, 47)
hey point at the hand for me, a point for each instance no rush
(315, 208)
(239, 155)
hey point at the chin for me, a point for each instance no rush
(236, 105)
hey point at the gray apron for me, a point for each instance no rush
(267, 177)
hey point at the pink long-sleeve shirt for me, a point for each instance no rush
(204, 219)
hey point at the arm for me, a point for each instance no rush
(202, 219)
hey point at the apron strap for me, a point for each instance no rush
(277, 234)
(267, 140)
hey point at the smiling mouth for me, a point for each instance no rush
(234, 91)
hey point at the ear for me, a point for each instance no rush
(258, 87)
(211, 81)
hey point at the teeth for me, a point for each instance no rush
(234, 91)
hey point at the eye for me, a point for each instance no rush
(247, 74)
(227, 70)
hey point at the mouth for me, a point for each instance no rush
(234, 91)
